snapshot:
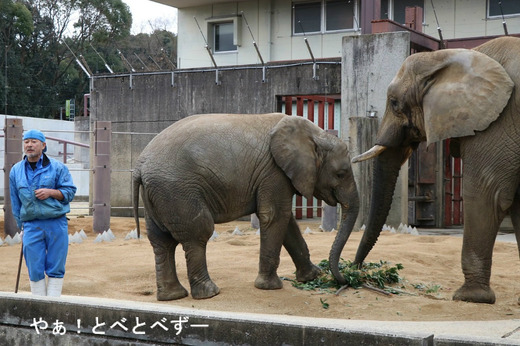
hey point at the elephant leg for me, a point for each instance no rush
(164, 245)
(515, 218)
(299, 252)
(482, 217)
(194, 237)
(201, 284)
(273, 228)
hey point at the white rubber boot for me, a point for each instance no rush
(54, 287)
(38, 288)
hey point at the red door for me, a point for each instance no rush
(320, 110)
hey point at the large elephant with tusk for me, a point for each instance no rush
(473, 97)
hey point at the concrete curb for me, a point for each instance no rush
(95, 321)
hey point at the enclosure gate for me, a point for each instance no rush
(320, 110)
(453, 208)
(428, 204)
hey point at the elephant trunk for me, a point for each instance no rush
(349, 214)
(384, 177)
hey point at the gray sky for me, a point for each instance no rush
(145, 11)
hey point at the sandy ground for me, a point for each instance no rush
(124, 269)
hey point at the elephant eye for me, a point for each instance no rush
(395, 104)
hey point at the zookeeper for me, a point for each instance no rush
(41, 190)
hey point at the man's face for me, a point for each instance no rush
(33, 148)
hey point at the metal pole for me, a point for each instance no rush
(504, 24)
(19, 269)
(6, 87)
(439, 30)
(101, 176)
(314, 64)
(208, 49)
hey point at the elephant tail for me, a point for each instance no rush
(137, 182)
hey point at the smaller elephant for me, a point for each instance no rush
(215, 168)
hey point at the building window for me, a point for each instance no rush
(509, 8)
(339, 15)
(395, 9)
(223, 37)
(323, 16)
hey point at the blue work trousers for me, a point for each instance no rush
(45, 247)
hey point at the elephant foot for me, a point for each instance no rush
(271, 282)
(171, 294)
(308, 274)
(204, 290)
(475, 294)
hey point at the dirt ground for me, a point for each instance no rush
(124, 269)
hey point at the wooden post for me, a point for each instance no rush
(13, 153)
(101, 176)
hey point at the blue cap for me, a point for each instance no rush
(35, 134)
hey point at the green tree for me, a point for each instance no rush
(41, 40)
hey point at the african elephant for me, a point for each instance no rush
(215, 168)
(473, 97)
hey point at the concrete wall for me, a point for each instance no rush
(76, 159)
(369, 64)
(142, 105)
(95, 321)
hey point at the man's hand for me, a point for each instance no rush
(42, 194)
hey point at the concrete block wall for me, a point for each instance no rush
(369, 64)
(145, 104)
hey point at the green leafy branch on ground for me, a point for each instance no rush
(378, 275)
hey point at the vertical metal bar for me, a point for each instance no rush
(309, 115)
(299, 199)
(310, 109)
(288, 105)
(13, 153)
(101, 176)
(299, 106)
(321, 114)
(330, 118)
(310, 208)
(298, 213)
(457, 192)
(448, 194)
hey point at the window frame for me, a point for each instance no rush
(323, 19)
(499, 16)
(237, 28)
(391, 11)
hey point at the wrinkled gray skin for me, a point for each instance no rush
(466, 95)
(208, 169)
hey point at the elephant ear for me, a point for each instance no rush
(294, 150)
(465, 92)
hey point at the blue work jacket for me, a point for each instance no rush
(50, 174)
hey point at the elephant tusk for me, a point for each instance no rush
(376, 150)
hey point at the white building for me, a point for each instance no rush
(279, 28)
